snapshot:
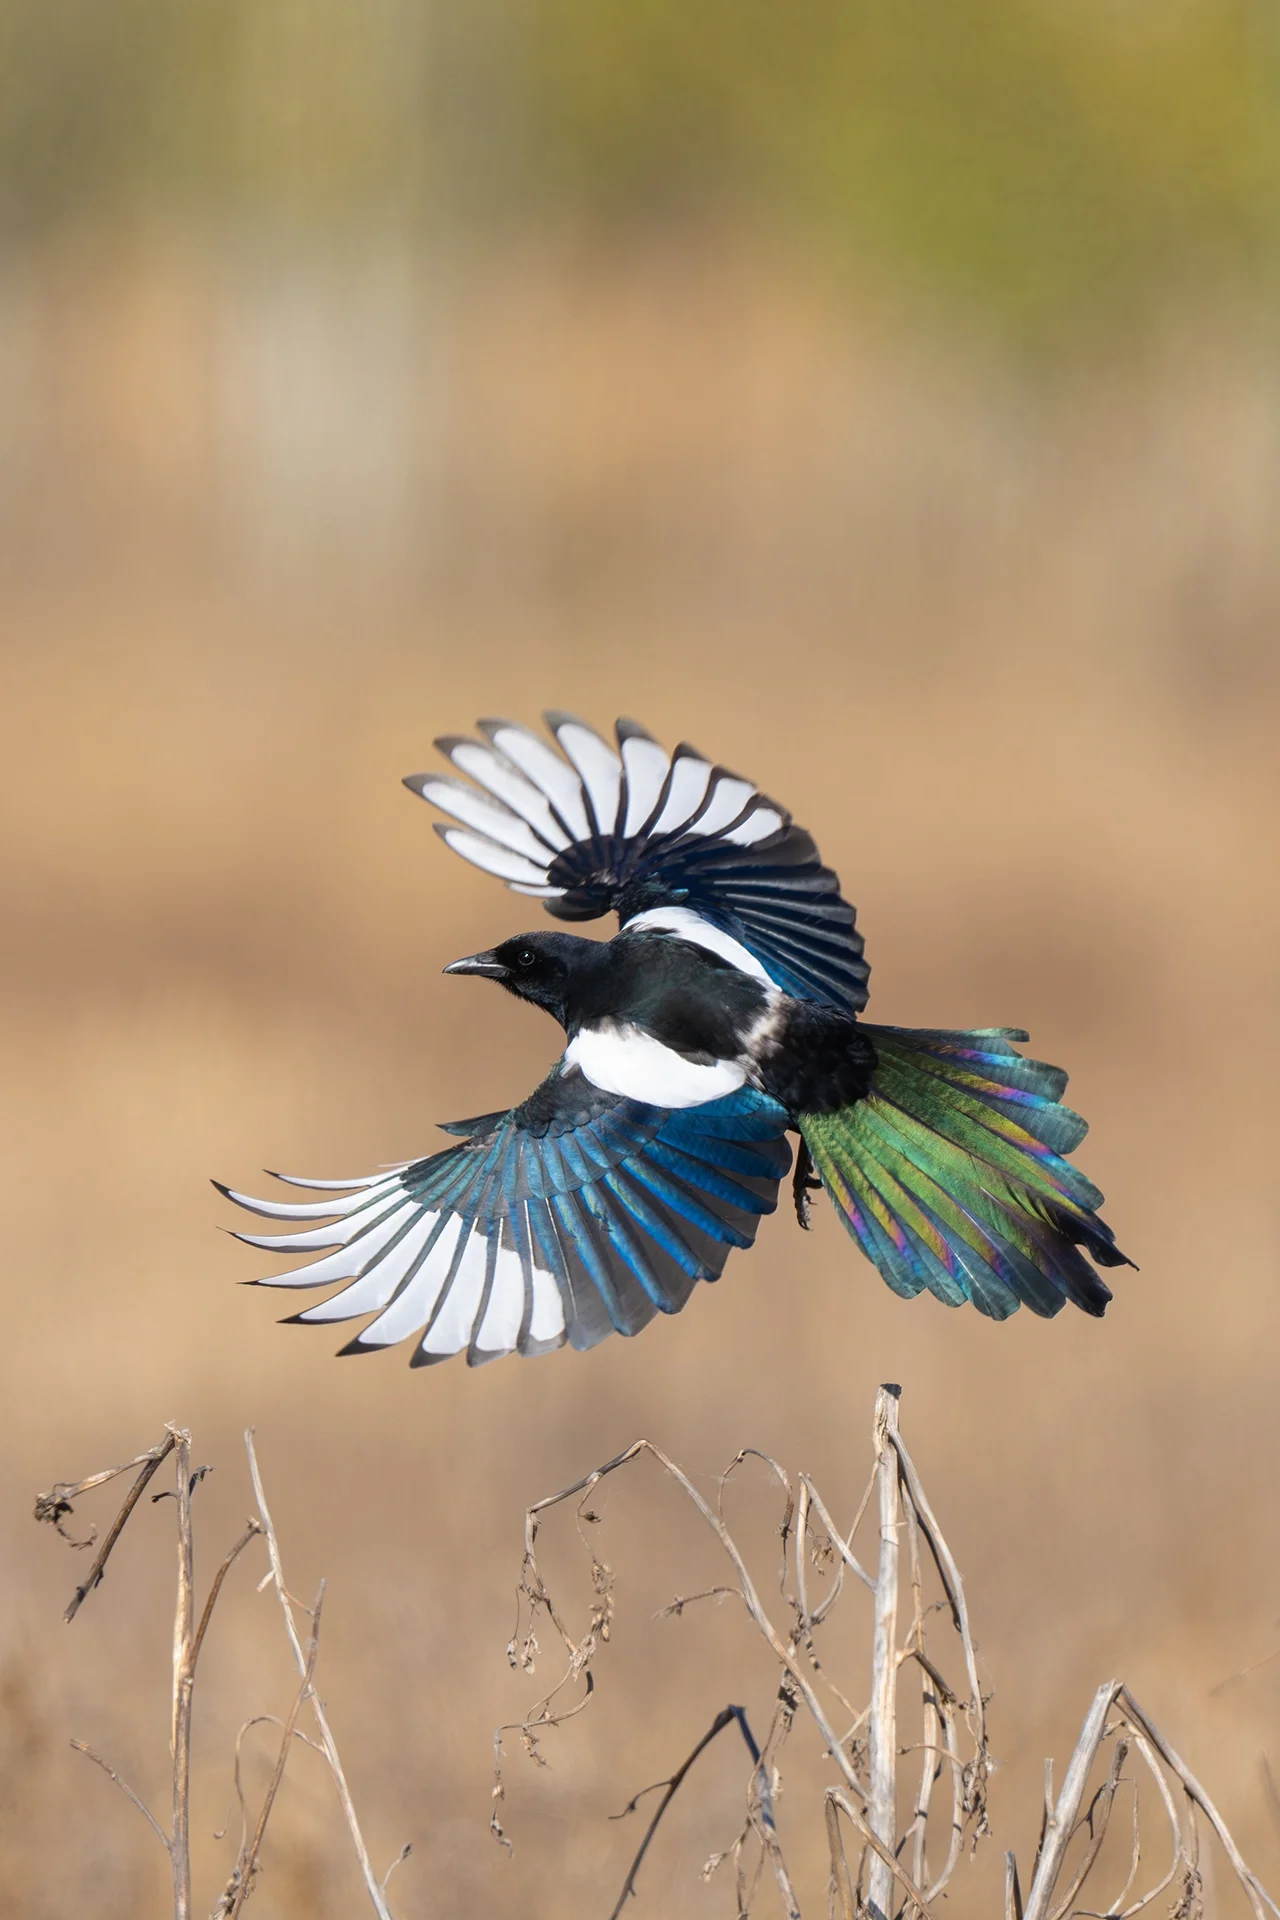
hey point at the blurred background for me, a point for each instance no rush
(886, 399)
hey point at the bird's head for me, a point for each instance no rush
(542, 967)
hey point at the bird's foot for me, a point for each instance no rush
(804, 1181)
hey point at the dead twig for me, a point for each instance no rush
(1259, 1899)
(184, 1680)
(127, 1791)
(1064, 1820)
(372, 1884)
(882, 1726)
(51, 1507)
(1060, 1823)
(189, 1633)
(726, 1717)
(884, 1858)
(866, 1754)
(399, 1861)
(841, 1880)
(1012, 1890)
(952, 1720)
(1097, 1819)
(252, 1530)
(247, 1865)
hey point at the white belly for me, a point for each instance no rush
(621, 1059)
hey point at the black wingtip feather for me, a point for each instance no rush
(354, 1345)
(480, 1356)
(421, 1358)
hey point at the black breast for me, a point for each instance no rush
(685, 996)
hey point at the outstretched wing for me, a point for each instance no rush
(590, 830)
(576, 1214)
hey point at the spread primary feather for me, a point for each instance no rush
(725, 1014)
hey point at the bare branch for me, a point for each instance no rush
(533, 1589)
(1098, 1818)
(251, 1532)
(1178, 1849)
(1255, 1893)
(841, 1883)
(866, 1753)
(53, 1505)
(726, 1717)
(1012, 1890)
(247, 1864)
(372, 1884)
(127, 1791)
(1060, 1824)
(399, 1861)
(183, 1683)
(884, 1858)
(841, 1542)
(883, 1723)
(948, 1572)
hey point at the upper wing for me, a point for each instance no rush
(574, 1214)
(589, 829)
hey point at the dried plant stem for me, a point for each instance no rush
(1012, 1890)
(841, 1880)
(726, 1717)
(184, 1677)
(372, 1884)
(252, 1531)
(247, 1865)
(867, 1761)
(534, 1591)
(882, 1815)
(50, 1506)
(188, 1641)
(187, 1638)
(1259, 1899)
(1063, 1819)
(948, 1572)
(883, 1857)
(128, 1792)
(953, 1734)
(1098, 1819)
(1063, 1816)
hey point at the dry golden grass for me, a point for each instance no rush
(1009, 651)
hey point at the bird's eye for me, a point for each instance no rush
(526, 957)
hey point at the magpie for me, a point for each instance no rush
(723, 1016)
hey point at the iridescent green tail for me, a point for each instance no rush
(951, 1174)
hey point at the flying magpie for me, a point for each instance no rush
(722, 1016)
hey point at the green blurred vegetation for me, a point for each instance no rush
(1057, 165)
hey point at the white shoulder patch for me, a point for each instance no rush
(690, 926)
(620, 1059)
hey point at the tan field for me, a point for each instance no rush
(1007, 643)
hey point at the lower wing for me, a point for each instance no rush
(573, 1216)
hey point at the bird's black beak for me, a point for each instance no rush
(487, 965)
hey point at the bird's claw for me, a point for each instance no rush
(804, 1181)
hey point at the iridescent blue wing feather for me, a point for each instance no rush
(592, 829)
(575, 1215)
